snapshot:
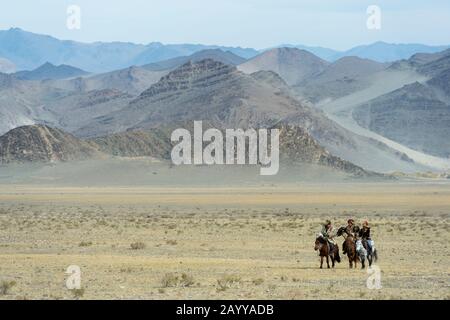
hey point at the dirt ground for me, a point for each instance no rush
(219, 243)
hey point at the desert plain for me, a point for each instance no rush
(220, 242)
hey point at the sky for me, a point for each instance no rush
(337, 24)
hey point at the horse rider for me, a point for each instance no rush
(351, 230)
(364, 234)
(327, 232)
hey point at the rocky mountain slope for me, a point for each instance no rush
(418, 114)
(43, 144)
(413, 115)
(151, 143)
(297, 146)
(292, 64)
(38, 143)
(340, 78)
(227, 98)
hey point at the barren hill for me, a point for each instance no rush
(292, 64)
(39, 143)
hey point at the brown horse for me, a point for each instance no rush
(328, 251)
(349, 247)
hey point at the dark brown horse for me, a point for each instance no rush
(349, 247)
(328, 251)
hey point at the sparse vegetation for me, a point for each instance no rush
(227, 281)
(174, 280)
(77, 293)
(6, 286)
(220, 253)
(85, 244)
(137, 246)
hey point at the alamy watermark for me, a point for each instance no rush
(73, 21)
(236, 147)
(374, 20)
(373, 281)
(73, 281)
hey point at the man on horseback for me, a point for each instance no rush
(351, 230)
(327, 232)
(364, 234)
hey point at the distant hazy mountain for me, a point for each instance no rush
(159, 52)
(29, 50)
(49, 71)
(378, 51)
(292, 64)
(224, 97)
(340, 78)
(225, 57)
(208, 90)
(424, 58)
(323, 53)
(418, 114)
(389, 52)
(134, 79)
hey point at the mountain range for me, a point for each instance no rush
(22, 50)
(28, 51)
(352, 114)
(42, 144)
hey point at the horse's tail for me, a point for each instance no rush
(375, 255)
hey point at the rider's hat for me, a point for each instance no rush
(365, 223)
(327, 222)
(350, 220)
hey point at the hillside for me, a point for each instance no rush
(292, 64)
(39, 143)
(49, 71)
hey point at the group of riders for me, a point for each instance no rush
(363, 233)
(360, 238)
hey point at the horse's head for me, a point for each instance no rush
(319, 243)
(340, 231)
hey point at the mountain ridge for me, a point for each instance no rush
(43, 144)
(15, 45)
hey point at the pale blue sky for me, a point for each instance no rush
(338, 24)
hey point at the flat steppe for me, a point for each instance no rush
(216, 242)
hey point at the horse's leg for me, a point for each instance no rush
(328, 262)
(350, 261)
(332, 261)
(321, 261)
